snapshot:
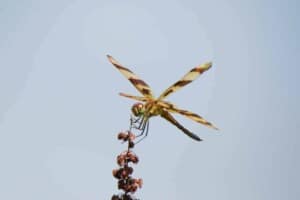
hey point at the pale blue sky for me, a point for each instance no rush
(60, 110)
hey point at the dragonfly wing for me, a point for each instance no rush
(138, 83)
(186, 79)
(144, 99)
(172, 108)
(166, 115)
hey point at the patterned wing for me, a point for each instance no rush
(144, 99)
(186, 79)
(172, 108)
(166, 115)
(138, 83)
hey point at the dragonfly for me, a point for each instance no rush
(148, 106)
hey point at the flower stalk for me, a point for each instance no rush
(123, 174)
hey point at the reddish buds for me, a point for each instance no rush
(125, 182)
(126, 136)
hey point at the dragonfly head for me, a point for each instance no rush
(138, 109)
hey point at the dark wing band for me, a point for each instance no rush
(138, 83)
(172, 108)
(186, 79)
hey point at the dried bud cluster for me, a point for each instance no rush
(125, 182)
(126, 157)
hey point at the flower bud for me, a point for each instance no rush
(122, 136)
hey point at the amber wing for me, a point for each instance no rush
(186, 79)
(138, 83)
(144, 99)
(173, 109)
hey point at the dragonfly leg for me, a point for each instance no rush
(135, 120)
(144, 132)
(142, 126)
(142, 123)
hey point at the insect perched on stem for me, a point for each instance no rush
(152, 106)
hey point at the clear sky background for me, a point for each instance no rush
(60, 111)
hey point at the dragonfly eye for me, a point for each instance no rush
(138, 109)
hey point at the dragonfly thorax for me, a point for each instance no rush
(138, 109)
